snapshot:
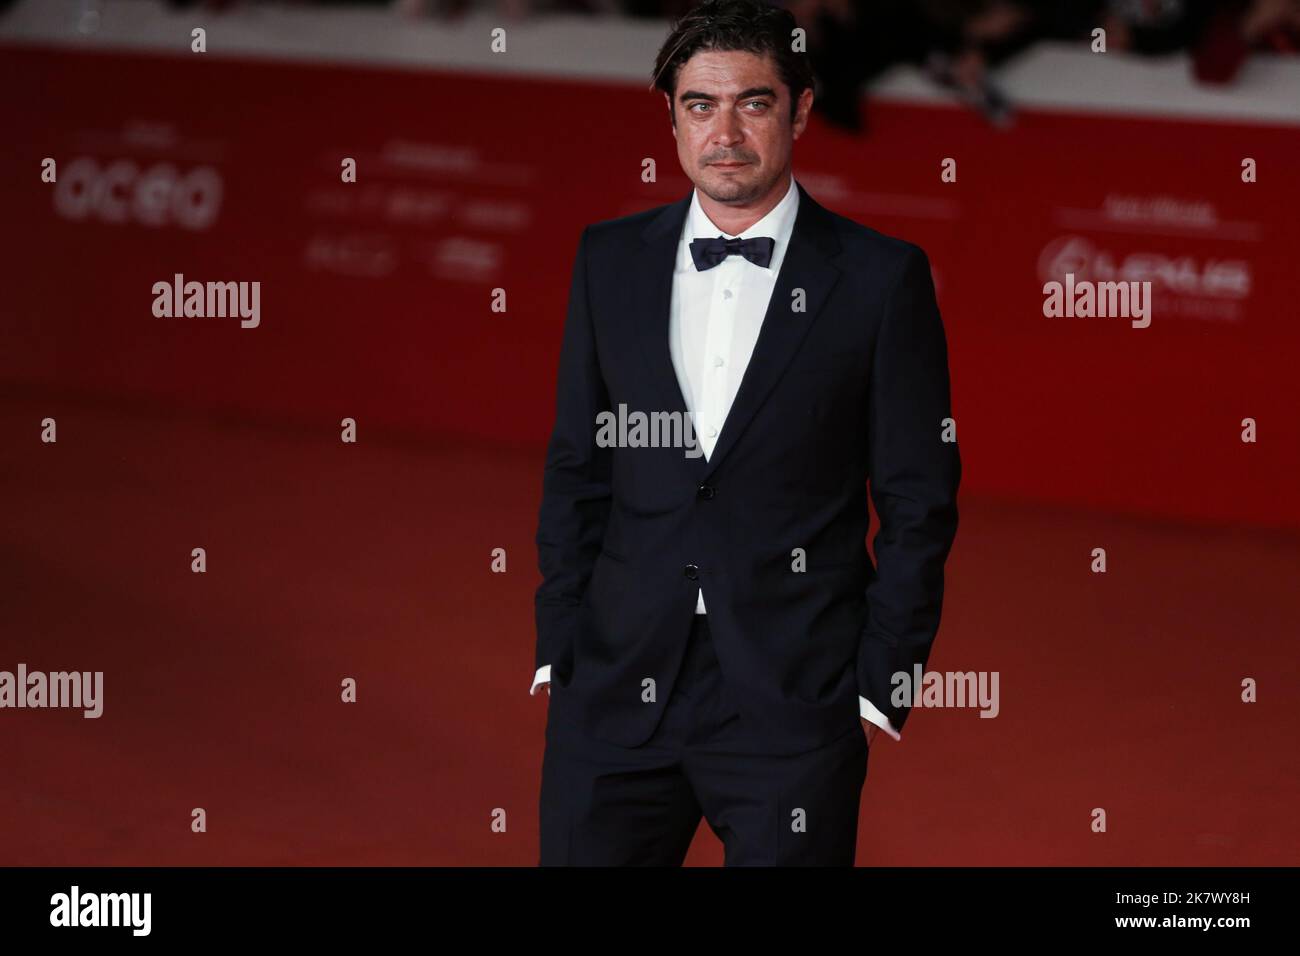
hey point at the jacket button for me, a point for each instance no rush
(707, 491)
(692, 572)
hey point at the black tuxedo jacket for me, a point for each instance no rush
(850, 387)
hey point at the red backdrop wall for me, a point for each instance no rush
(376, 296)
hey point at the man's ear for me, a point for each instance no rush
(801, 112)
(668, 101)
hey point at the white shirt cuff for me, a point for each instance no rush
(543, 676)
(869, 712)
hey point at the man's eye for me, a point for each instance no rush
(753, 106)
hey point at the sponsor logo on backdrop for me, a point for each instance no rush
(123, 191)
(1206, 287)
(363, 256)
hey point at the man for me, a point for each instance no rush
(709, 624)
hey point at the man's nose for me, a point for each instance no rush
(728, 131)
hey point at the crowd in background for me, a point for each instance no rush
(959, 43)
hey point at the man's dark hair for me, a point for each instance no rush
(748, 25)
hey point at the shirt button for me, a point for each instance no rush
(726, 293)
(717, 361)
(712, 431)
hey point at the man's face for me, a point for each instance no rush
(733, 128)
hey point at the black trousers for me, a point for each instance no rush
(606, 805)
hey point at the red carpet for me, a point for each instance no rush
(326, 561)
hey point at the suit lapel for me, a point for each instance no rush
(806, 266)
(652, 282)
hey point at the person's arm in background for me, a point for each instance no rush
(575, 485)
(913, 477)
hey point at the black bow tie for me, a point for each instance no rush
(708, 253)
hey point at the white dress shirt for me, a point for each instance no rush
(713, 324)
